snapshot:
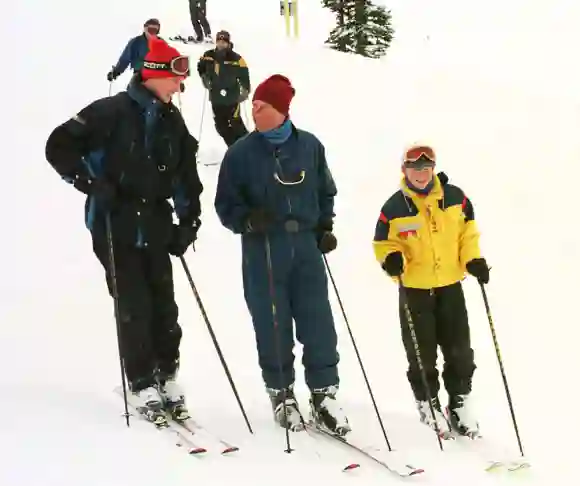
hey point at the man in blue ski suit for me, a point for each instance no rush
(135, 50)
(275, 189)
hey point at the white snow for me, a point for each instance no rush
(504, 118)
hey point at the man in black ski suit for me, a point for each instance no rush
(130, 153)
(198, 12)
(225, 74)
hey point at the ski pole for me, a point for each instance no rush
(113, 276)
(502, 370)
(215, 341)
(277, 339)
(358, 356)
(205, 95)
(422, 371)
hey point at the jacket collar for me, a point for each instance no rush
(145, 98)
(435, 194)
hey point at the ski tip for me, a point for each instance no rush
(228, 450)
(415, 471)
(350, 467)
(197, 450)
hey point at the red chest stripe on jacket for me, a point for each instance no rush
(383, 218)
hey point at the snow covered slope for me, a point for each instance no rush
(510, 145)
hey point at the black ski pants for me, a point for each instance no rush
(228, 122)
(150, 334)
(440, 320)
(197, 10)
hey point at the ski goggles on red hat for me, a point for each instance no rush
(419, 156)
(178, 66)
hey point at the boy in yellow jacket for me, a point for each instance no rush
(426, 238)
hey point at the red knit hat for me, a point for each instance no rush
(277, 91)
(160, 53)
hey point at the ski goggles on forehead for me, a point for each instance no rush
(419, 157)
(178, 65)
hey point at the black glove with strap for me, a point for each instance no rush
(393, 264)
(479, 269)
(325, 238)
(112, 75)
(259, 220)
(183, 236)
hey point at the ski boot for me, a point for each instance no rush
(438, 423)
(174, 400)
(285, 408)
(150, 405)
(461, 417)
(326, 412)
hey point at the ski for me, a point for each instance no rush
(190, 40)
(195, 427)
(483, 448)
(184, 437)
(403, 470)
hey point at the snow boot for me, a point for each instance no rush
(150, 405)
(461, 417)
(285, 401)
(174, 399)
(326, 411)
(438, 423)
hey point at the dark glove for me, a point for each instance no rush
(479, 269)
(259, 220)
(104, 191)
(183, 236)
(112, 75)
(325, 238)
(327, 242)
(393, 264)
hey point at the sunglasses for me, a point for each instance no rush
(178, 65)
(152, 29)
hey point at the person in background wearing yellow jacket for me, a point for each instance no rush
(427, 238)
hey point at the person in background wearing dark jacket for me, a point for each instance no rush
(129, 154)
(135, 50)
(198, 12)
(275, 189)
(225, 74)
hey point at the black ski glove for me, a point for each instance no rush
(183, 236)
(112, 75)
(479, 269)
(325, 238)
(327, 242)
(259, 220)
(393, 264)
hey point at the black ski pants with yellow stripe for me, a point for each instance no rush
(229, 123)
(439, 317)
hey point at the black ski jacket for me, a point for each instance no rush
(225, 72)
(142, 147)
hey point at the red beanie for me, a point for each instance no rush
(162, 53)
(277, 91)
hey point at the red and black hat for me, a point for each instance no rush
(163, 61)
